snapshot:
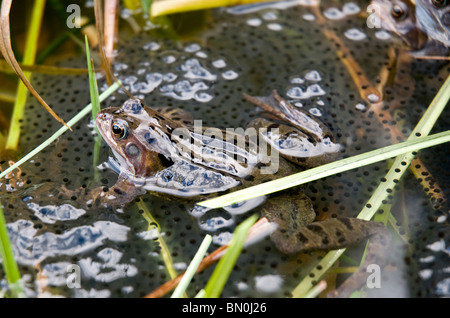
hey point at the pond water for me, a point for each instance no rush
(252, 50)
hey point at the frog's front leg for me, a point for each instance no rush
(121, 193)
(296, 232)
(296, 135)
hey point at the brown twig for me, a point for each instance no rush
(8, 54)
(111, 27)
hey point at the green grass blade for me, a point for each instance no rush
(7, 256)
(398, 168)
(192, 268)
(146, 6)
(28, 59)
(95, 102)
(223, 269)
(93, 88)
(62, 130)
(165, 252)
(326, 170)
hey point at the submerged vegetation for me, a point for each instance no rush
(157, 14)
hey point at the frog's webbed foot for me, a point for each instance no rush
(290, 213)
(377, 250)
(295, 233)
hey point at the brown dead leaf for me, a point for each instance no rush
(6, 49)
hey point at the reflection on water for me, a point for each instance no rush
(31, 248)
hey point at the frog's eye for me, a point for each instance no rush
(439, 3)
(119, 130)
(399, 12)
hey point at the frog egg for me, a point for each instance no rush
(183, 87)
(296, 80)
(314, 90)
(212, 224)
(333, 14)
(142, 87)
(275, 26)
(201, 55)
(169, 77)
(194, 47)
(230, 75)
(222, 238)
(254, 22)
(350, 8)
(268, 283)
(355, 34)
(270, 15)
(151, 46)
(194, 70)
(120, 66)
(129, 80)
(203, 97)
(360, 106)
(382, 35)
(315, 111)
(313, 76)
(373, 98)
(296, 93)
(220, 63)
(309, 17)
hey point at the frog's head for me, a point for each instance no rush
(399, 17)
(138, 137)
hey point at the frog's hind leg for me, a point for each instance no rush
(338, 233)
(296, 234)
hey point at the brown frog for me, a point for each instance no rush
(166, 153)
(423, 25)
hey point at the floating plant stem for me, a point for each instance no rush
(394, 174)
(165, 252)
(8, 261)
(93, 90)
(93, 87)
(29, 56)
(192, 268)
(62, 130)
(223, 269)
(176, 6)
(327, 170)
(316, 290)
